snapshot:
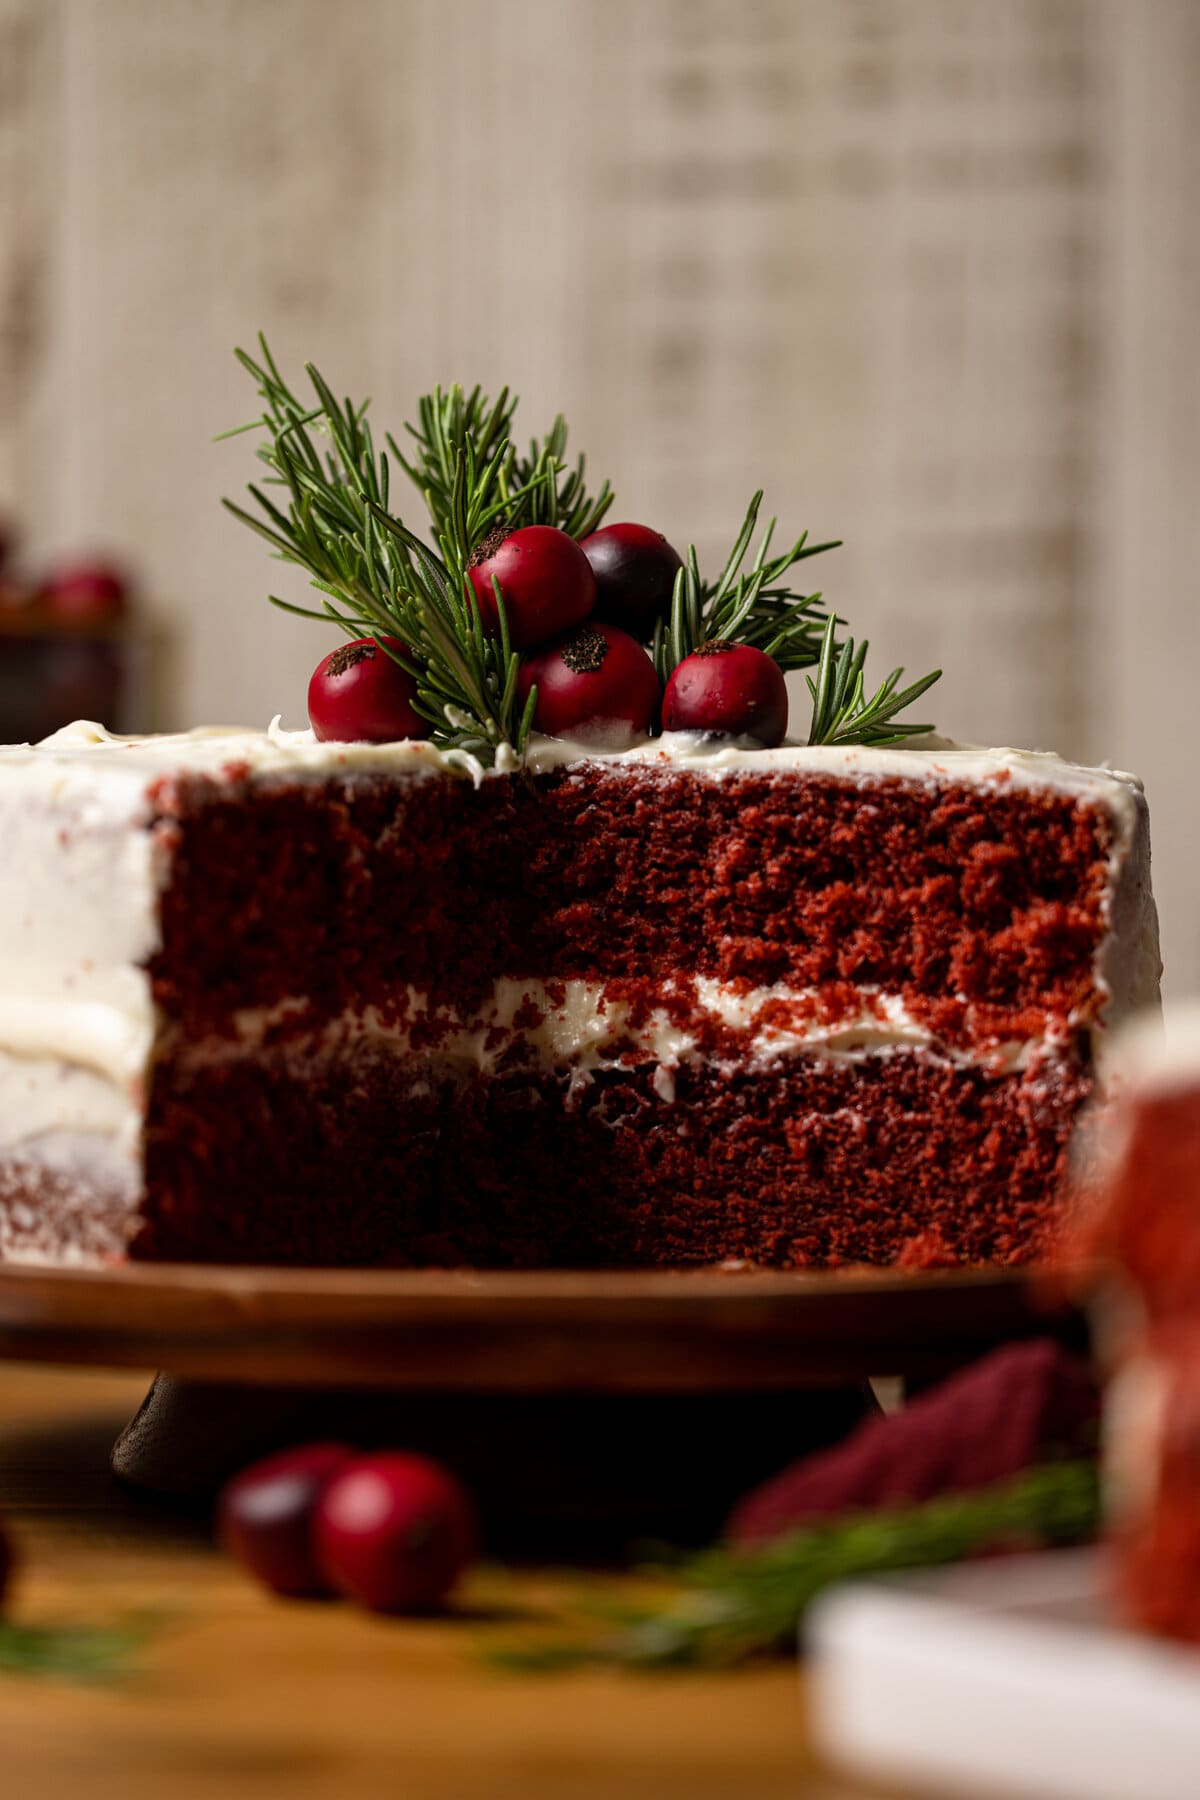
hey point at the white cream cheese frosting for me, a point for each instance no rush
(582, 1027)
(81, 875)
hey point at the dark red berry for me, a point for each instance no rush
(358, 694)
(394, 1532)
(730, 690)
(545, 579)
(596, 683)
(85, 592)
(635, 571)
(265, 1516)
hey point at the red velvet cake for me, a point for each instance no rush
(267, 999)
(489, 968)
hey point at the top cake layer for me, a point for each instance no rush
(997, 896)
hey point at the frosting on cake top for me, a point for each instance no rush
(213, 750)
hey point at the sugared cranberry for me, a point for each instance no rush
(85, 592)
(359, 694)
(596, 683)
(394, 1532)
(635, 571)
(545, 579)
(265, 1516)
(730, 690)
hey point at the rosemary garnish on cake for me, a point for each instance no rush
(467, 631)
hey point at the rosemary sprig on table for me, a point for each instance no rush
(77, 1653)
(841, 713)
(729, 1606)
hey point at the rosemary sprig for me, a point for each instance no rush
(78, 1653)
(455, 428)
(537, 489)
(555, 494)
(745, 605)
(331, 514)
(730, 1606)
(377, 577)
(841, 713)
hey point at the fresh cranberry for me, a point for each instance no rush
(596, 682)
(85, 592)
(545, 579)
(729, 690)
(265, 1516)
(394, 1532)
(359, 694)
(635, 571)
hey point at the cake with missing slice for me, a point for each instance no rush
(266, 999)
(545, 946)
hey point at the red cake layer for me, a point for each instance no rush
(809, 1161)
(982, 907)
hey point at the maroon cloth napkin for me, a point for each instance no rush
(1026, 1403)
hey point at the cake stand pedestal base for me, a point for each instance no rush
(588, 1472)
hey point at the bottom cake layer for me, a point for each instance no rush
(814, 1161)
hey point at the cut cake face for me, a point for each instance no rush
(269, 1000)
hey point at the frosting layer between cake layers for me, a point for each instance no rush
(97, 1017)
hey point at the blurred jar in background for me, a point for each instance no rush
(74, 644)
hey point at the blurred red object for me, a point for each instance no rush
(93, 591)
(72, 646)
(394, 1531)
(1025, 1403)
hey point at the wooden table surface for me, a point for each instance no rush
(238, 1693)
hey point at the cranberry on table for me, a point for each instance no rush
(545, 579)
(265, 1516)
(85, 592)
(394, 1531)
(596, 682)
(358, 694)
(728, 690)
(635, 570)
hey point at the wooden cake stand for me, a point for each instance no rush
(647, 1399)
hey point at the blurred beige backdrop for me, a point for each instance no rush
(926, 270)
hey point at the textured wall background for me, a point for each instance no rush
(927, 270)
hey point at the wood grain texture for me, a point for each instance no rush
(926, 272)
(688, 1331)
(240, 1694)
